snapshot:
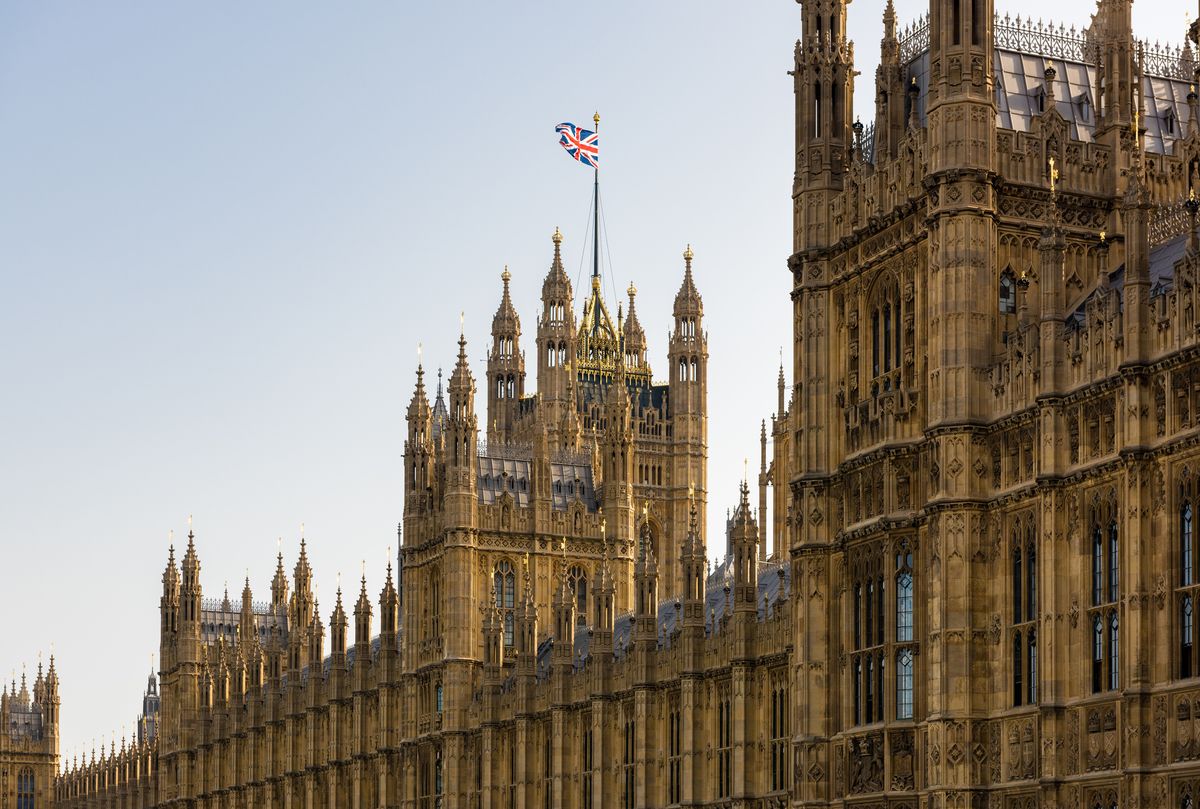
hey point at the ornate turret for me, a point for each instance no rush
(645, 578)
(824, 87)
(563, 605)
(688, 350)
(744, 546)
(316, 643)
(419, 450)
(506, 369)
(692, 560)
(461, 445)
(188, 649)
(493, 640)
(556, 331)
(247, 633)
(279, 586)
(362, 624)
(337, 629)
(527, 632)
(604, 609)
(169, 609)
(634, 334)
(763, 478)
(890, 99)
(1111, 31)
(389, 613)
(299, 613)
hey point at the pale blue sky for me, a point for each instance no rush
(224, 229)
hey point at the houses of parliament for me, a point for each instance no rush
(965, 576)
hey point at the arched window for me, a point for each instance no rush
(1024, 611)
(1097, 654)
(1008, 293)
(25, 788)
(1031, 579)
(886, 343)
(1031, 658)
(1189, 589)
(1017, 581)
(505, 585)
(870, 613)
(904, 685)
(1017, 648)
(1097, 566)
(1185, 545)
(577, 580)
(1114, 561)
(904, 599)
(858, 691)
(1114, 648)
(1186, 628)
(817, 128)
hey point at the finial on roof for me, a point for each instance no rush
(596, 119)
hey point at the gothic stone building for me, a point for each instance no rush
(983, 491)
(29, 730)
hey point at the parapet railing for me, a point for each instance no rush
(1026, 35)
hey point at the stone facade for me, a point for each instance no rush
(981, 488)
(29, 731)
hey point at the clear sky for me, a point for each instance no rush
(224, 230)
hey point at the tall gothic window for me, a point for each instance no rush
(904, 650)
(904, 684)
(505, 584)
(869, 630)
(547, 764)
(904, 598)
(627, 759)
(1023, 549)
(1103, 617)
(1188, 583)
(585, 782)
(675, 752)
(869, 637)
(779, 734)
(724, 746)
(25, 790)
(886, 342)
(1008, 294)
(577, 581)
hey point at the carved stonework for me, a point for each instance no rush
(1102, 740)
(1160, 730)
(866, 763)
(1071, 765)
(1022, 750)
(902, 761)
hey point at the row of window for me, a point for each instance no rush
(506, 386)
(688, 370)
(504, 584)
(25, 789)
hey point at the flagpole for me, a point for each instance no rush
(596, 212)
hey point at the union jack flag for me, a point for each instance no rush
(580, 144)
